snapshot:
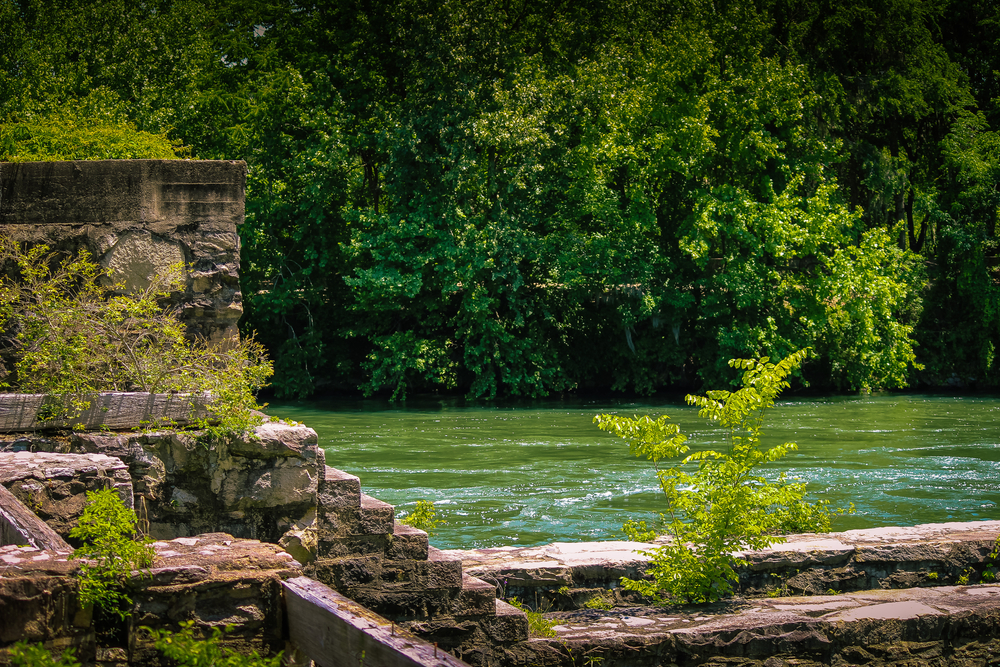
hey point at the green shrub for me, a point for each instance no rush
(23, 654)
(599, 602)
(95, 127)
(191, 651)
(111, 550)
(726, 504)
(423, 517)
(70, 333)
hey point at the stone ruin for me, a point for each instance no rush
(248, 531)
(139, 218)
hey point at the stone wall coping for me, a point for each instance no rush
(495, 561)
(107, 410)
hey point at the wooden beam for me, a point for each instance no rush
(337, 632)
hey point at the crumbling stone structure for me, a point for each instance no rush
(139, 217)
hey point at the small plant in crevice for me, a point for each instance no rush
(189, 650)
(726, 504)
(599, 602)
(23, 654)
(423, 517)
(538, 625)
(112, 549)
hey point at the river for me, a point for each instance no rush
(543, 472)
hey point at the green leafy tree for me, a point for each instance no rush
(423, 517)
(727, 504)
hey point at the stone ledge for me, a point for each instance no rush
(892, 557)
(941, 626)
(106, 410)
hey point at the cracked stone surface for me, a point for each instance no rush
(949, 625)
(854, 560)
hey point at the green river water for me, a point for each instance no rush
(543, 472)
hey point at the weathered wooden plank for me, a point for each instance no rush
(112, 410)
(20, 526)
(337, 632)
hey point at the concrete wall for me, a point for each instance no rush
(139, 217)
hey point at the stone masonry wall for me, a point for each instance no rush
(139, 217)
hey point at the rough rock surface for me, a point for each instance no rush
(38, 601)
(20, 526)
(566, 575)
(54, 486)
(909, 627)
(213, 580)
(139, 217)
(256, 488)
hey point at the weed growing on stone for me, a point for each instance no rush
(423, 517)
(599, 602)
(538, 625)
(70, 332)
(23, 654)
(189, 650)
(111, 550)
(725, 505)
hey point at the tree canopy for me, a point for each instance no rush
(514, 198)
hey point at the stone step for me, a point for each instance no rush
(346, 529)
(476, 599)
(508, 624)
(407, 543)
(353, 573)
(338, 489)
(376, 517)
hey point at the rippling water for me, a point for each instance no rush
(532, 475)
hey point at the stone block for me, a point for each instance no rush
(337, 489)
(54, 486)
(407, 543)
(375, 517)
(139, 217)
(507, 626)
(421, 574)
(476, 598)
(404, 605)
(352, 545)
(348, 573)
(20, 526)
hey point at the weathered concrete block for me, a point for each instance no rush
(477, 598)
(509, 625)
(213, 580)
(139, 217)
(375, 517)
(346, 573)
(38, 601)
(354, 545)
(338, 489)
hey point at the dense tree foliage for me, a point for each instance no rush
(512, 198)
